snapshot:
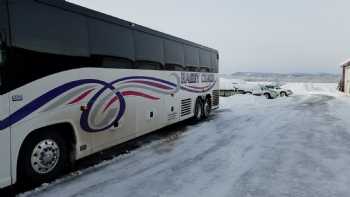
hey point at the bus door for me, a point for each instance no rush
(172, 108)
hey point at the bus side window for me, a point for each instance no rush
(111, 62)
(174, 67)
(204, 69)
(191, 68)
(148, 65)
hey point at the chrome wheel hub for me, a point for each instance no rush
(45, 156)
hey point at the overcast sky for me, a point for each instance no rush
(251, 35)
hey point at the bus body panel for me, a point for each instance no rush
(5, 143)
(150, 100)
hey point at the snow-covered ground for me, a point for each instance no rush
(313, 88)
(296, 146)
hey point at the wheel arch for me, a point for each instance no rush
(67, 131)
(210, 97)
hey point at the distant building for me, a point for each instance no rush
(344, 84)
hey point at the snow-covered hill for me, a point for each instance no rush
(293, 77)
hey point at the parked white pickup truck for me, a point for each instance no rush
(257, 90)
(261, 90)
(281, 91)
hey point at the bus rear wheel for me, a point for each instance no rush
(198, 110)
(207, 108)
(43, 158)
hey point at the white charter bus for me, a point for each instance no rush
(74, 81)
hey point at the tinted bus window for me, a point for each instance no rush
(148, 47)
(174, 67)
(214, 62)
(109, 39)
(44, 28)
(191, 56)
(27, 66)
(204, 69)
(192, 69)
(174, 53)
(148, 65)
(111, 62)
(204, 58)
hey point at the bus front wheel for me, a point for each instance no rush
(43, 158)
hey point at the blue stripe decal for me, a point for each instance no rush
(42, 100)
(52, 94)
(84, 120)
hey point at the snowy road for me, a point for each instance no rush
(297, 146)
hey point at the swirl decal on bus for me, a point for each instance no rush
(198, 89)
(103, 99)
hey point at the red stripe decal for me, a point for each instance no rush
(196, 87)
(81, 97)
(114, 99)
(129, 93)
(150, 83)
(133, 93)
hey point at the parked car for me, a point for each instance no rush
(245, 88)
(264, 91)
(281, 91)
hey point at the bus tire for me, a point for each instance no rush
(207, 108)
(43, 157)
(198, 110)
